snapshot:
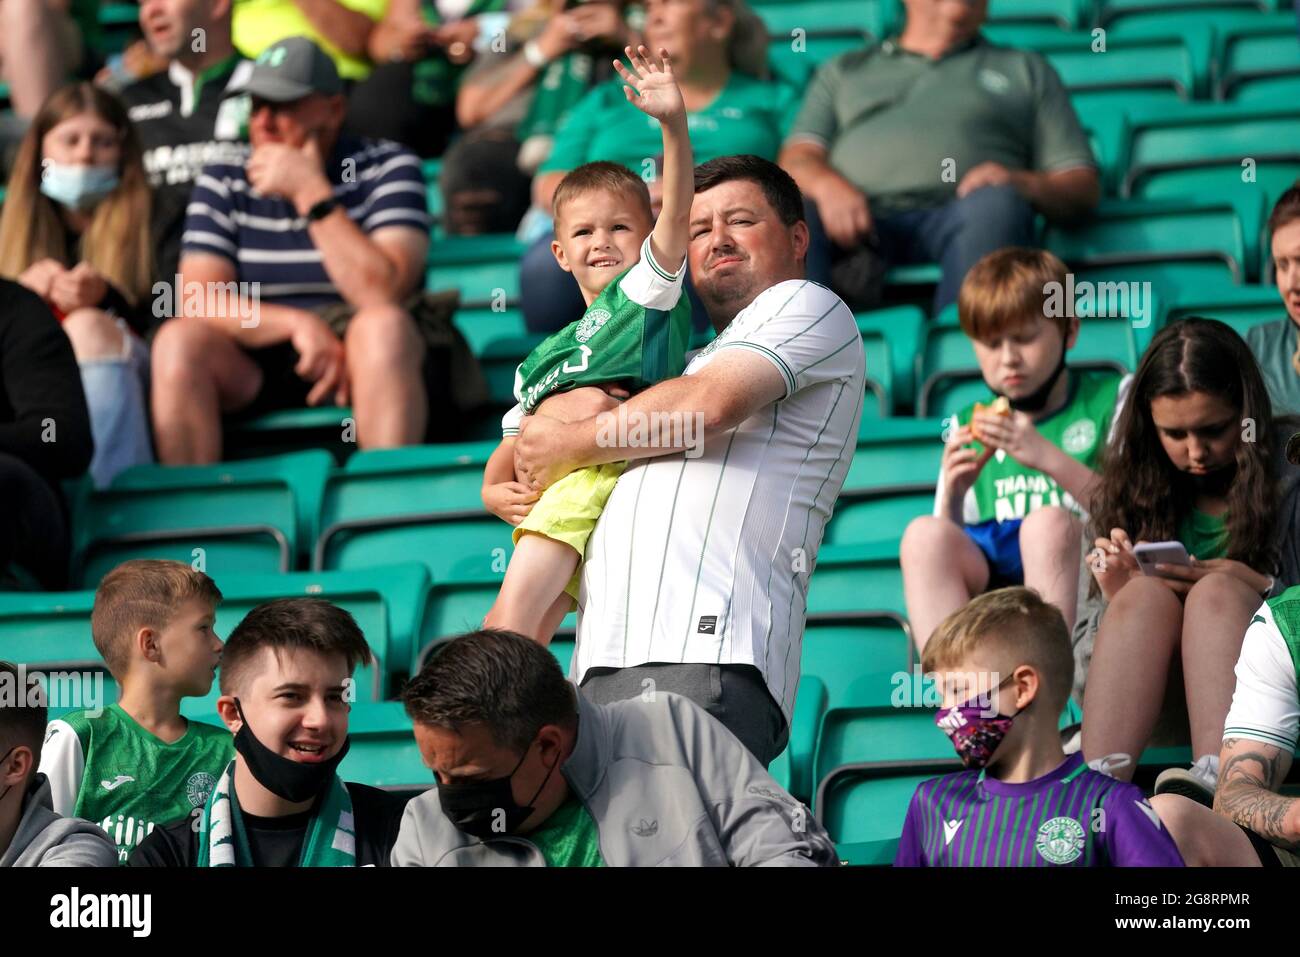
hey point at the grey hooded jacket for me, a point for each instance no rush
(665, 783)
(46, 839)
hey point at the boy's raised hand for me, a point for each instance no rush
(651, 86)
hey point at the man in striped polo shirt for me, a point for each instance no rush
(696, 577)
(319, 231)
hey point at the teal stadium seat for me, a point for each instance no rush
(254, 516)
(328, 427)
(1171, 244)
(1258, 64)
(1240, 307)
(857, 578)
(383, 753)
(484, 268)
(1067, 14)
(891, 337)
(890, 481)
(415, 504)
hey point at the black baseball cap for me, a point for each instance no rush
(288, 71)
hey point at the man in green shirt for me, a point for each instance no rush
(936, 146)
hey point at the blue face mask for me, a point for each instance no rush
(77, 187)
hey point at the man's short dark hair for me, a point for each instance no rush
(779, 188)
(311, 623)
(510, 683)
(21, 721)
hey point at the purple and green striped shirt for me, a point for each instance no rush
(1071, 817)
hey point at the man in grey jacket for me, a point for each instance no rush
(652, 780)
(31, 834)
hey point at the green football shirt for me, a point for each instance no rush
(113, 772)
(1005, 489)
(636, 331)
(568, 838)
(1204, 535)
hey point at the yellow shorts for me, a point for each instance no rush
(568, 511)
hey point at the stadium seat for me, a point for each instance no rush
(898, 328)
(481, 327)
(828, 18)
(253, 516)
(795, 62)
(328, 427)
(1026, 35)
(1257, 64)
(119, 24)
(857, 578)
(1240, 307)
(499, 359)
(890, 481)
(415, 504)
(1169, 244)
(484, 268)
(431, 169)
(50, 631)
(383, 753)
(1067, 14)
(1111, 11)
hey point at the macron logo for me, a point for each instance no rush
(116, 782)
(950, 831)
(1150, 812)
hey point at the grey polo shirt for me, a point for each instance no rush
(889, 118)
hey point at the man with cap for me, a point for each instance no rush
(325, 236)
(532, 774)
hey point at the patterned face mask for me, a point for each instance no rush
(974, 733)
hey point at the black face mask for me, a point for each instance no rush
(486, 809)
(294, 781)
(1036, 400)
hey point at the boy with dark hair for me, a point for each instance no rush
(1005, 668)
(138, 762)
(1017, 471)
(31, 833)
(634, 333)
(285, 690)
(531, 774)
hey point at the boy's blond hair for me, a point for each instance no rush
(603, 177)
(142, 593)
(1008, 288)
(1013, 626)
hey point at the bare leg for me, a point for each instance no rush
(1219, 609)
(37, 51)
(942, 570)
(1130, 666)
(1204, 837)
(385, 356)
(197, 373)
(1050, 553)
(539, 569)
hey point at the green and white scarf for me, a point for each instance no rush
(331, 836)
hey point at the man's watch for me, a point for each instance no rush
(322, 209)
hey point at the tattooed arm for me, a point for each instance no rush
(1250, 774)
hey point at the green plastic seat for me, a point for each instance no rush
(1067, 14)
(795, 62)
(900, 327)
(1111, 11)
(329, 427)
(864, 18)
(896, 454)
(484, 268)
(1103, 114)
(499, 359)
(253, 516)
(1026, 35)
(412, 504)
(383, 752)
(481, 327)
(1240, 307)
(1266, 54)
(879, 401)
(857, 578)
(1168, 244)
(876, 518)
(50, 632)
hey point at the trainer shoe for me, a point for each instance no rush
(1110, 763)
(1197, 782)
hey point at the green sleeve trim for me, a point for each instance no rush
(780, 363)
(1254, 734)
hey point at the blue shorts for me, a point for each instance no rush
(1000, 543)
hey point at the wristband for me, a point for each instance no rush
(534, 55)
(322, 209)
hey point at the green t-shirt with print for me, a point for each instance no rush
(1005, 489)
(568, 838)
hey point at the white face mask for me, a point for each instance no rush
(77, 187)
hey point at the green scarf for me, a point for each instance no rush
(435, 78)
(331, 836)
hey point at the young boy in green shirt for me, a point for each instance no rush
(139, 763)
(1014, 480)
(634, 333)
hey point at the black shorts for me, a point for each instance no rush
(1270, 855)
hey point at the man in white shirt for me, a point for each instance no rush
(695, 580)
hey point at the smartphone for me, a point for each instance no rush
(1149, 554)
